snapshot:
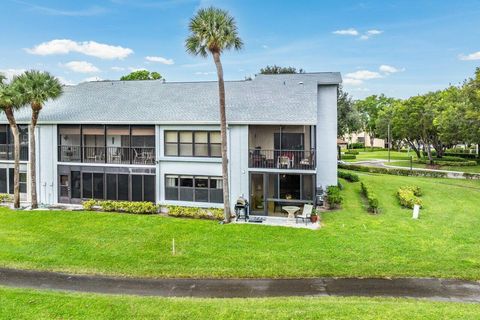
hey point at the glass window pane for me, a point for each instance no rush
(290, 186)
(186, 194)
(186, 150)
(186, 181)
(171, 193)
(201, 137)
(111, 186)
(149, 188)
(215, 150)
(98, 186)
(137, 188)
(215, 137)
(216, 195)
(10, 181)
(201, 150)
(3, 180)
(307, 188)
(201, 182)
(201, 195)
(87, 185)
(171, 136)
(171, 181)
(186, 136)
(216, 183)
(123, 187)
(75, 184)
(171, 149)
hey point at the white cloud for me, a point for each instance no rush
(10, 73)
(92, 79)
(363, 75)
(264, 46)
(65, 81)
(347, 32)
(390, 69)
(117, 68)
(204, 73)
(352, 82)
(160, 59)
(81, 67)
(470, 57)
(89, 48)
(374, 32)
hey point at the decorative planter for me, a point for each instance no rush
(313, 219)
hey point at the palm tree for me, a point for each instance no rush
(10, 101)
(36, 88)
(213, 31)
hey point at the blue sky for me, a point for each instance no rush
(400, 48)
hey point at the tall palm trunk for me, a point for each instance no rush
(32, 158)
(16, 153)
(223, 133)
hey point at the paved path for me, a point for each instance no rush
(436, 289)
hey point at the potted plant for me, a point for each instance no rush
(314, 216)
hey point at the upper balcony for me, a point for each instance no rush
(6, 143)
(106, 144)
(282, 147)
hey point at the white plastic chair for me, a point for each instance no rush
(307, 212)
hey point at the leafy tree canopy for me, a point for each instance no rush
(280, 70)
(348, 117)
(141, 75)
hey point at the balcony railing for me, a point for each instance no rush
(112, 155)
(7, 152)
(282, 159)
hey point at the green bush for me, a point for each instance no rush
(408, 196)
(5, 197)
(348, 156)
(371, 198)
(354, 152)
(351, 177)
(394, 171)
(144, 207)
(334, 198)
(356, 145)
(196, 213)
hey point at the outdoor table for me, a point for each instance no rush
(291, 211)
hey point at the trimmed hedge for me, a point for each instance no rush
(334, 198)
(394, 171)
(371, 198)
(195, 213)
(351, 177)
(144, 207)
(354, 152)
(356, 145)
(408, 196)
(348, 156)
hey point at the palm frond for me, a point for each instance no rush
(37, 87)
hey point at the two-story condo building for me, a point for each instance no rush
(160, 142)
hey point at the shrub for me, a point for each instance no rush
(351, 177)
(408, 196)
(195, 213)
(5, 197)
(356, 145)
(394, 171)
(144, 207)
(334, 198)
(348, 156)
(354, 152)
(371, 198)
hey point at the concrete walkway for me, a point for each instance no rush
(436, 289)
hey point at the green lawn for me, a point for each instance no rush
(383, 155)
(29, 304)
(445, 242)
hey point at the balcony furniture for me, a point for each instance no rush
(284, 162)
(306, 213)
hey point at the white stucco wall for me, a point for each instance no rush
(238, 161)
(326, 136)
(47, 181)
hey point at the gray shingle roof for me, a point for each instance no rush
(266, 99)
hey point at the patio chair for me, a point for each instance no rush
(283, 161)
(305, 216)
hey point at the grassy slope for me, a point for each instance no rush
(29, 304)
(471, 169)
(445, 242)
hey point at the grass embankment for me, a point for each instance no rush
(445, 242)
(29, 304)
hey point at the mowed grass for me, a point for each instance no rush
(470, 169)
(444, 242)
(29, 304)
(381, 155)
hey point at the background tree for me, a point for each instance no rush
(280, 70)
(471, 89)
(10, 100)
(213, 31)
(369, 109)
(141, 75)
(36, 88)
(348, 117)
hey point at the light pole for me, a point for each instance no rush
(389, 142)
